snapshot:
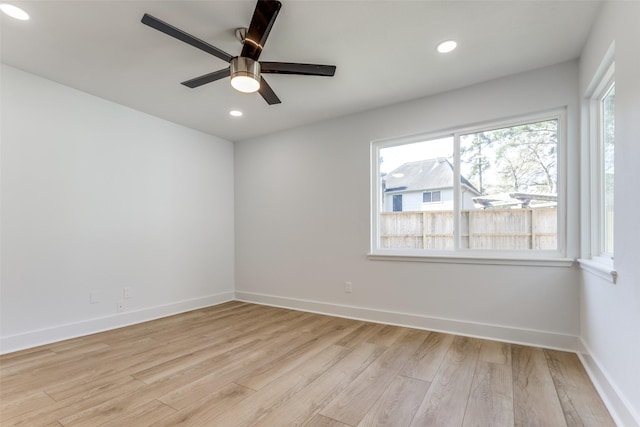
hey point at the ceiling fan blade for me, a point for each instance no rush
(267, 93)
(187, 38)
(207, 78)
(294, 68)
(263, 18)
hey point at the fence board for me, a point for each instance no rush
(506, 229)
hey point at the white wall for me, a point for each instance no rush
(610, 314)
(96, 197)
(299, 253)
(412, 201)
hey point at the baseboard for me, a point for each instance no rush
(35, 338)
(620, 409)
(478, 330)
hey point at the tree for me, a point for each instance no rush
(514, 159)
(527, 157)
(473, 151)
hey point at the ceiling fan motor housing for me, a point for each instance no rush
(245, 70)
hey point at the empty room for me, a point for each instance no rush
(320, 213)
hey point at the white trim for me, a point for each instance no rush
(35, 338)
(621, 410)
(592, 229)
(602, 270)
(522, 336)
(540, 262)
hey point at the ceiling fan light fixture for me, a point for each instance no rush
(245, 74)
(14, 12)
(446, 46)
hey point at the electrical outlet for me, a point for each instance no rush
(347, 287)
(126, 292)
(120, 306)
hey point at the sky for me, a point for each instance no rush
(392, 157)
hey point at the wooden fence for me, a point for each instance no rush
(479, 229)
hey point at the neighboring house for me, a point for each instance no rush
(424, 185)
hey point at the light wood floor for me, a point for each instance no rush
(240, 364)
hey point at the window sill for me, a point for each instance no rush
(600, 269)
(542, 262)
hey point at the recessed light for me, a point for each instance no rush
(14, 11)
(446, 46)
(235, 113)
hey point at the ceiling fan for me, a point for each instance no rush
(245, 70)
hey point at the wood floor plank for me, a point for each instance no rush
(23, 361)
(201, 353)
(321, 391)
(71, 368)
(203, 412)
(182, 388)
(577, 394)
(105, 370)
(145, 415)
(246, 364)
(354, 402)
(116, 411)
(322, 421)
(43, 415)
(491, 399)
(535, 400)
(495, 352)
(398, 404)
(385, 336)
(76, 345)
(224, 343)
(60, 370)
(285, 388)
(22, 403)
(445, 402)
(424, 364)
(318, 338)
(360, 334)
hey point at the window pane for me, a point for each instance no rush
(397, 202)
(410, 172)
(509, 188)
(608, 137)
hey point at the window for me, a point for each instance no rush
(430, 197)
(598, 163)
(397, 202)
(498, 192)
(607, 147)
(601, 101)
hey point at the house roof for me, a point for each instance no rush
(422, 175)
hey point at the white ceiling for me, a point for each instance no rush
(384, 52)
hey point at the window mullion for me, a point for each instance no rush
(456, 192)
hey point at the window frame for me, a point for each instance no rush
(596, 163)
(465, 255)
(431, 193)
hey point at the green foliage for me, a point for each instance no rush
(514, 159)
